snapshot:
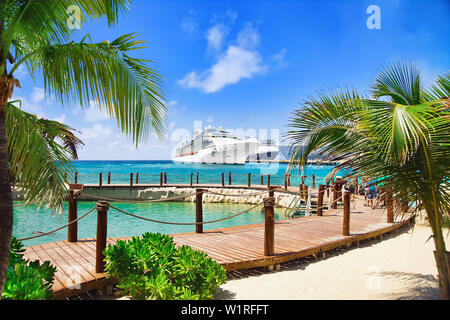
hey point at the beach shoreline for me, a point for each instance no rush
(401, 266)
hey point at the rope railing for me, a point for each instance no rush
(269, 203)
(143, 200)
(185, 223)
(59, 228)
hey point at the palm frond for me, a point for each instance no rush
(39, 165)
(125, 87)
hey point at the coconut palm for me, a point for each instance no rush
(40, 153)
(399, 135)
(38, 35)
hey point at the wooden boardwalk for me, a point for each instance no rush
(235, 248)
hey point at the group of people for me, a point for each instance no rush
(373, 193)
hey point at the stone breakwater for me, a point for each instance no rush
(217, 195)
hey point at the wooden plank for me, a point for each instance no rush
(238, 247)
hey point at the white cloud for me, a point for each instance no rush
(96, 132)
(38, 95)
(219, 31)
(171, 103)
(61, 118)
(171, 126)
(188, 24)
(237, 62)
(248, 37)
(280, 58)
(215, 36)
(33, 103)
(95, 113)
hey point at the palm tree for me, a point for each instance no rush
(399, 136)
(40, 153)
(38, 34)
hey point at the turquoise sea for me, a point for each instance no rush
(149, 172)
(29, 219)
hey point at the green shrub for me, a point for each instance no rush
(26, 280)
(150, 267)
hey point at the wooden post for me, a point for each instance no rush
(197, 177)
(289, 179)
(229, 178)
(100, 179)
(131, 178)
(346, 221)
(165, 177)
(137, 177)
(303, 179)
(334, 204)
(249, 179)
(223, 179)
(160, 178)
(300, 186)
(320, 195)
(109, 177)
(389, 207)
(262, 179)
(72, 229)
(269, 224)
(285, 181)
(305, 192)
(268, 181)
(199, 210)
(313, 181)
(192, 174)
(102, 218)
(76, 177)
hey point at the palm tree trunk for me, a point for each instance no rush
(6, 209)
(442, 263)
(441, 255)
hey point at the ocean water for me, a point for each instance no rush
(29, 219)
(149, 172)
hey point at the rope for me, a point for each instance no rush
(47, 233)
(185, 223)
(237, 195)
(141, 201)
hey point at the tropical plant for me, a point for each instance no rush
(151, 267)
(399, 137)
(40, 153)
(27, 280)
(38, 34)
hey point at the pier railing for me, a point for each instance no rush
(193, 178)
(103, 205)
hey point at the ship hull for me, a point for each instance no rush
(236, 153)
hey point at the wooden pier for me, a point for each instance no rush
(239, 247)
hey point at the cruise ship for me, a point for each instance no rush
(267, 150)
(215, 145)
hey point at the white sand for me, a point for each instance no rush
(401, 266)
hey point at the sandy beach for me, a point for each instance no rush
(401, 266)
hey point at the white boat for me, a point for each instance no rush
(267, 150)
(215, 145)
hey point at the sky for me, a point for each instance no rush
(247, 65)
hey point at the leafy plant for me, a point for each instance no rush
(151, 267)
(27, 280)
(399, 137)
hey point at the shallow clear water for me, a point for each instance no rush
(28, 219)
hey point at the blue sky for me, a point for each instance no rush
(247, 65)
